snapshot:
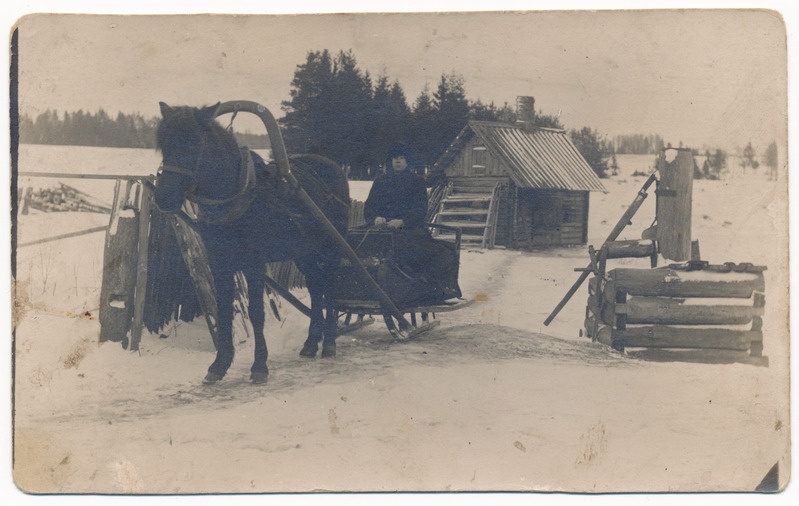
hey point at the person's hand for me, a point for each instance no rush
(380, 221)
(395, 224)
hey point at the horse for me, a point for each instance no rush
(248, 215)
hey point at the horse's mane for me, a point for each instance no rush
(186, 124)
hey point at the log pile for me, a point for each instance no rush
(693, 305)
(61, 199)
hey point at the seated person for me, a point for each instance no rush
(398, 201)
(398, 198)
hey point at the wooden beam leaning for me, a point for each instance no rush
(620, 225)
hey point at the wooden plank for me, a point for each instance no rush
(667, 311)
(119, 269)
(475, 212)
(26, 202)
(676, 337)
(65, 236)
(128, 177)
(673, 208)
(630, 249)
(667, 282)
(137, 326)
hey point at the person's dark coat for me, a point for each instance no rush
(397, 196)
(403, 196)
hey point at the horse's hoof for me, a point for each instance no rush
(309, 350)
(212, 378)
(329, 351)
(259, 378)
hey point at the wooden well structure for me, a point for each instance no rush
(688, 303)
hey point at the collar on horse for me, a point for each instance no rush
(228, 209)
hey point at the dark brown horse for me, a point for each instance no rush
(250, 215)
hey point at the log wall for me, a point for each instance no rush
(713, 307)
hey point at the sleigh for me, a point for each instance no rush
(378, 252)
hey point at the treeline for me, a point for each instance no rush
(337, 110)
(716, 162)
(88, 129)
(99, 129)
(638, 144)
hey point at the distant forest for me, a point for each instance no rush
(99, 129)
(638, 144)
(337, 110)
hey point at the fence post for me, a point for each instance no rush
(119, 265)
(674, 196)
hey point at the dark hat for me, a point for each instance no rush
(399, 150)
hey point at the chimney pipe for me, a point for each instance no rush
(525, 110)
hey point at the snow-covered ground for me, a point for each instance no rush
(490, 400)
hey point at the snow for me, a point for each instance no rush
(490, 400)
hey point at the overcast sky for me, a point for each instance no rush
(713, 78)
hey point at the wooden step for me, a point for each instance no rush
(472, 190)
(464, 212)
(465, 224)
(471, 197)
(464, 233)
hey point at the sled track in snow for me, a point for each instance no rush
(364, 356)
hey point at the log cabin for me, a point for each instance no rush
(513, 185)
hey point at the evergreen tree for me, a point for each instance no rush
(422, 128)
(388, 120)
(482, 112)
(452, 113)
(748, 157)
(346, 139)
(310, 87)
(542, 120)
(772, 160)
(589, 145)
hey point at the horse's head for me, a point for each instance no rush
(197, 154)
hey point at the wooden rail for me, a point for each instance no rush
(73, 175)
(64, 236)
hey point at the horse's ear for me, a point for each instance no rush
(165, 109)
(207, 114)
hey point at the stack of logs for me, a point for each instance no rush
(689, 305)
(61, 198)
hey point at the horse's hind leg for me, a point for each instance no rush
(255, 291)
(331, 330)
(316, 327)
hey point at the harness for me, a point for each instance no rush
(225, 210)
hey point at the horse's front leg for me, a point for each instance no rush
(223, 282)
(255, 291)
